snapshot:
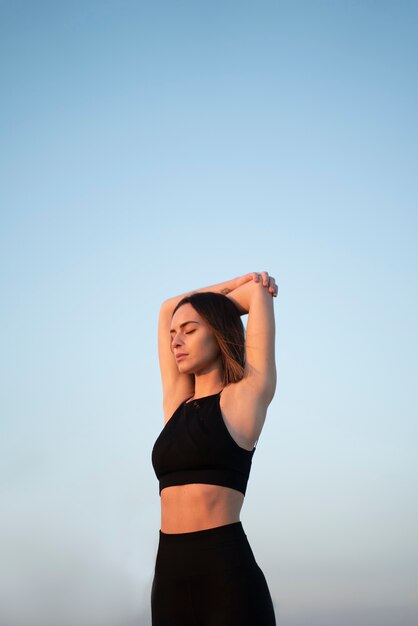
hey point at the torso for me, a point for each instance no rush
(193, 507)
(187, 508)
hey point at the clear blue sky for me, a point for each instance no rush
(149, 148)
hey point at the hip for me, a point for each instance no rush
(203, 552)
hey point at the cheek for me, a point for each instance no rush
(213, 347)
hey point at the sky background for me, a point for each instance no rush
(150, 148)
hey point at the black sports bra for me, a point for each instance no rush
(195, 446)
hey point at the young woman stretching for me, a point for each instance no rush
(217, 386)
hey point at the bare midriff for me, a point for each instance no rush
(188, 508)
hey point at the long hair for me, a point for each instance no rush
(222, 317)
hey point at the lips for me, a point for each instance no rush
(180, 355)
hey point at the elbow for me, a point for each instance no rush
(167, 306)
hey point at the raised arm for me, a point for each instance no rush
(176, 386)
(255, 297)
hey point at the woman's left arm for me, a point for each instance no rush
(256, 298)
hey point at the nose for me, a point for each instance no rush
(176, 341)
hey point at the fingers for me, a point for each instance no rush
(273, 288)
(262, 277)
(256, 277)
(267, 281)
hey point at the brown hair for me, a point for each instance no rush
(222, 317)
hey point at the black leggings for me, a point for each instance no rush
(209, 578)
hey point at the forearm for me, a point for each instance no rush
(249, 295)
(226, 287)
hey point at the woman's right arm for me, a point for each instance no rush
(178, 387)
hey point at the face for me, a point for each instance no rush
(192, 342)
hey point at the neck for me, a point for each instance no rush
(207, 384)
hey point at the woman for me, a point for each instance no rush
(216, 390)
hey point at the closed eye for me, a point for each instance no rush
(189, 332)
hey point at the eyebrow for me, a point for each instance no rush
(173, 330)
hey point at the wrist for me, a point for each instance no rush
(230, 285)
(241, 280)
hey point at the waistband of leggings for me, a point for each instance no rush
(227, 531)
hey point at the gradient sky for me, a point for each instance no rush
(149, 148)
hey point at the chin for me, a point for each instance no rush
(183, 369)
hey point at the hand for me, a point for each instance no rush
(246, 278)
(267, 281)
